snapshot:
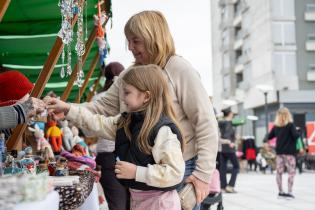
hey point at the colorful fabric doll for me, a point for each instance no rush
(54, 135)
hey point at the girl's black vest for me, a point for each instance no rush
(128, 150)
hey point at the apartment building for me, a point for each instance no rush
(264, 54)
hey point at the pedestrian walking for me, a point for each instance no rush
(228, 152)
(286, 137)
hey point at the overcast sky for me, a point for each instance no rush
(190, 25)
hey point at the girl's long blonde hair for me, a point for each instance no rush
(149, 78)
(283, 117)
(152, 28)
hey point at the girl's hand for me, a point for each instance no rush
(57, 108)
(125, 170)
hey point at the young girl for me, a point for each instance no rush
(148, 142)
(285, 132)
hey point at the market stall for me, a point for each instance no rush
(53, 44)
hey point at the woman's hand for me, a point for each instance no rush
(57, 108)
(202, 188)
(125, 170)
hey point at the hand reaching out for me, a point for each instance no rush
(57, 108)
(33, 106)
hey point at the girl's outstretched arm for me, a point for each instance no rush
(81, 117)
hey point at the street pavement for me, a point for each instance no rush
(257, 191)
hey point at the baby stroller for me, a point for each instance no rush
(215, 195)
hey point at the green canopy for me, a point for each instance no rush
(27, 33)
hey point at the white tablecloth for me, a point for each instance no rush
(91, 201)
(51, 202)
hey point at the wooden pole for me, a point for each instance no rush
(91, 94)
(40, 84)
(73, 75)
(87, 78)
(4, 4)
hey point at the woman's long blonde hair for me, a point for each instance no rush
(283, 117)
(152, 28)
(149, 78)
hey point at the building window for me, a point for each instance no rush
(225, 38)
(284, 63)
(224, 14)
(239, 77)
(238, 56)
(311, 67)
(283, 33)
(226, 82)
(310, 8)
(226, 60)
(311, 37)
(282, 8)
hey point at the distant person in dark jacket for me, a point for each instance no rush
(228, 151)
(286, 134)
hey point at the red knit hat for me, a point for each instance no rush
(14, 86)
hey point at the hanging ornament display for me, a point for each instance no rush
(80, 47)
(68, 9)
(66, 34)
(62, 71)
(85, 39)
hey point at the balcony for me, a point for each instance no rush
(238, 19)
(310, 75)
(239, 66)
(310, 43)
(239, 7)
(284, 46)
(309, 14)
(238, 44)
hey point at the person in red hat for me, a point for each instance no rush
(16, 105)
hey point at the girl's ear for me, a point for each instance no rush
(147, 96)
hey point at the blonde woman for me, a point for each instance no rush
(148, 142)
(150, 42)
(286, 134)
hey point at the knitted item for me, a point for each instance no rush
(14, 86)
(54, 135)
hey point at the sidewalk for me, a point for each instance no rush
(257, 191)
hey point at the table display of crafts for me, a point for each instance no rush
(52, 158)
(35, 171)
